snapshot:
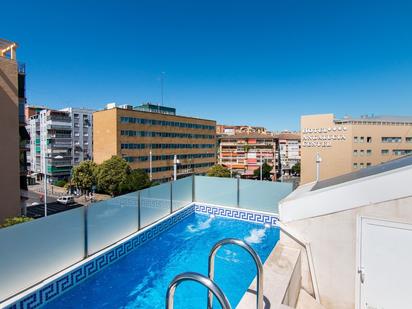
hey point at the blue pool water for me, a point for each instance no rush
(141, 278)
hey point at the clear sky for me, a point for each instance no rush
(238, 62)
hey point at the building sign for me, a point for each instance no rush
(323, 137)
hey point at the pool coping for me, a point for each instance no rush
(59, 283)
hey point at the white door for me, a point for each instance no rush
(384, 264)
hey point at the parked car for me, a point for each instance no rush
(66, 200)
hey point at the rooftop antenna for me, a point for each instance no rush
(162, 76)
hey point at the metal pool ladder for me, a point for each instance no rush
(190, 276)
(213, 288)
(256, 258)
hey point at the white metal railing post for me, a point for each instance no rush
(138, 210)
(193, 189)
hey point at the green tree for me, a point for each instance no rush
(15, 220)
(266, 169)
(112, 175)
(218, 171)
(84, 175)
(136, 180)
(296, 169)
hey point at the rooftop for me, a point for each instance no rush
(373, 118)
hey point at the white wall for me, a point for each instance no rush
(333, 243)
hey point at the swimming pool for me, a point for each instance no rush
(140, 278)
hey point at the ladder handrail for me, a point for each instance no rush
(254, 255)
(205, 281)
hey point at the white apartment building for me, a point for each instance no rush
(82, 133)
(59, 140)
(289, 151)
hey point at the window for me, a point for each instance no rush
(391, 139)
(409, 139)
(355, 165)
(355, 139)
(361, 139)
(385, 152)
(401, 152)
(362, 165)
(355, 153)
(368, 152)
(368, 164)
(369, 139)
(362, 153)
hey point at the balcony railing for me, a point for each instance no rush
(74, 235)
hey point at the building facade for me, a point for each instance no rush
(11, 98)
(289, 151)
(60, 140)
(244, 153)
(148, 138)
(348, 144)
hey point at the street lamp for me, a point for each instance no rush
(318, 161)
(175, 163)
(45, 182)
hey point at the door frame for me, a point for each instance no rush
(361, 220)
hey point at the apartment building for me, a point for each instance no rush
(243, 153)
(349, 144)
(149, 136)
(59, 140)
(289, 151)
(10, 92)
(82, 133)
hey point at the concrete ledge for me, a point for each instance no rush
(278, 276)
(305, 301)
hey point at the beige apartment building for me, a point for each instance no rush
(9, 131)
(149, 136)
(244, 153)
(349, 144)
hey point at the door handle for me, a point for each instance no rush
(361, 272)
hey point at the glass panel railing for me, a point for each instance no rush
(215, 190)
(111, 220)
(262, 195)
(182, 193)
(155, 203)
(35, 250)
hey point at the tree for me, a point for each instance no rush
(15, 220)
(84, 175)
(218, 171)
(136, 180)
(112, 175)
(296, 169)
(266, 169)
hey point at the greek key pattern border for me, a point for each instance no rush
(240, 214)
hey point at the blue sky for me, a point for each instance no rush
(238, 62)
